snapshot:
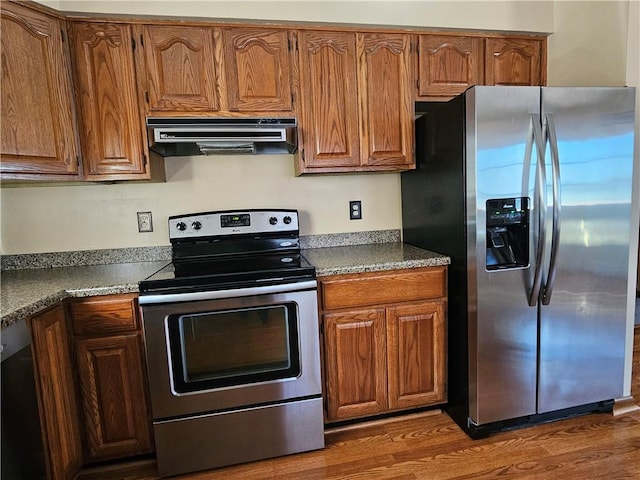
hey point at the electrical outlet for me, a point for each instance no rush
(145, 222)
(355, 210)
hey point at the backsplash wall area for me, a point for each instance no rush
(85, 217)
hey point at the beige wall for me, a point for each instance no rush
(62, 218)
(589, 46)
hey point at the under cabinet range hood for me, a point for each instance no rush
(182, 136)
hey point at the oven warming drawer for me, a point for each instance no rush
(219, 439)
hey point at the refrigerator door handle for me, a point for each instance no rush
(535, 137)
(550, 129)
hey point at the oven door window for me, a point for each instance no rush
(233, 347)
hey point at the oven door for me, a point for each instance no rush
(239, 348)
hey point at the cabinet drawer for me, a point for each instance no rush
(104, 315)
(377, 288)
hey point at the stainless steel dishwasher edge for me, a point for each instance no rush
(21, 449)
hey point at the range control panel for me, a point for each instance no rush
(232, 222)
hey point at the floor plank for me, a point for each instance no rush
(433, 447)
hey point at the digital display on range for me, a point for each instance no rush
(241, 220)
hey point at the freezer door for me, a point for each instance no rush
(502, 326)
(582, 329)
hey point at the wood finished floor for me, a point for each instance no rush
(432, 447)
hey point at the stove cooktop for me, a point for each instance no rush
(231, 249)
(225, 273)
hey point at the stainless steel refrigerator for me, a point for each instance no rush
(529, 190)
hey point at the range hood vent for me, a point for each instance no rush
(175, 137)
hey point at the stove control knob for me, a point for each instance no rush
(273, 220)
(181, 226)
(196, 225)
(287, 220)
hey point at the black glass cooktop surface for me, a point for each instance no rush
(200, 274)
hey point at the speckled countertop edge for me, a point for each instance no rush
(371, 258)
(28, 290)
(25, 292)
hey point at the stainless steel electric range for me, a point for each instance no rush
(232, 342)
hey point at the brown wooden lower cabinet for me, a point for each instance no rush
(55, 387)
(384, 341)
(112, 378)
(416, 354)
(355, 363)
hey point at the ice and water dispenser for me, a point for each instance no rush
(507, 233)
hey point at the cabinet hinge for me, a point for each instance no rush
(289, 44)
(62, 35)
(141, 41)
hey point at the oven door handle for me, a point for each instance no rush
(222, 294)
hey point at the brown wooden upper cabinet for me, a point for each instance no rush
(351, 91)
(191, 70)
(178, 72)
(386, 100)
(448, 65)
(515, 61)
(111, 128)
(328, 86)
(356, 102)
(257, 66)
(37, 124)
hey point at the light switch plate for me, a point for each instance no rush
(145, 222)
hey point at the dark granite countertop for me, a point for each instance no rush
(27, 291)
(371, 258)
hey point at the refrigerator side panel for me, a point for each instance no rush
(583, 329)
(502, 325)
(433, 213)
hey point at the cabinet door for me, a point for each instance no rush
(257, 69)
(510, 61)
(386, 98)
(59, 415)
(355, 362)
(448, 65)
(111, 132)
(328, 85)
(114, 400)
(179, 74)
(416, 354)
(37, 123)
